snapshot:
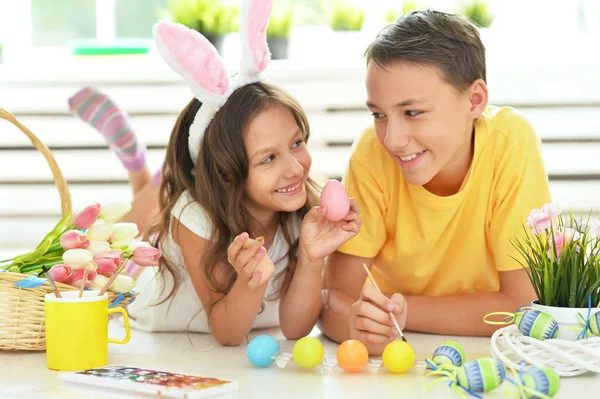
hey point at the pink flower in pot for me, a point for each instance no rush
(542, 219)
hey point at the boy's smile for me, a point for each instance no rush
(425, 123)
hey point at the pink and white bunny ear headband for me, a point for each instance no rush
(193, 57)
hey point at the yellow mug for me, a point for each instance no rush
(77, 330)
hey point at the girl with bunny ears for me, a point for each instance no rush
(236, 167)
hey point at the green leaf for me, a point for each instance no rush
(38, 266)
(46, 242)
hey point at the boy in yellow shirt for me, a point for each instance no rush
(444, 182)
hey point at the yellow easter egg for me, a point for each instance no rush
(398, 356)
(308, 352)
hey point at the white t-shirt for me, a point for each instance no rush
(184, 311)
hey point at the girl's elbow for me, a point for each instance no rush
(227, 340)
(227, 337)
(293, 334)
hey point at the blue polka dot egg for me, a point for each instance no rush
(481, 375)
(536, 324)
(450, 353)
(261, 350)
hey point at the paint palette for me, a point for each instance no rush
(153, 382)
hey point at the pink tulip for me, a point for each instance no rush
(146, 256)
(77, 277)
(118, 253)
(61, 273)
(74, 239)
(107, 263)
(542, 219)
(86, 218)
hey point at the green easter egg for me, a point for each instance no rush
(543, 380)
(536, 324)
(450, 352)
(481, 375)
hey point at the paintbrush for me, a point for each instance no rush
(390, 313)
(83, 282)
(112, 278)
(51, 282)
(250, 242)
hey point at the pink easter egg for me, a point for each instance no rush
(335, 197)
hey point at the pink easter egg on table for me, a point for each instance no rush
(335, 197)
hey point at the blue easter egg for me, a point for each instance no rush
(262, 350)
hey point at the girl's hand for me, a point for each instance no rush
(248, 258)
(320, 236)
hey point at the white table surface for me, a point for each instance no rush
(24, 374)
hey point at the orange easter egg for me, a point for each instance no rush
(352, 355)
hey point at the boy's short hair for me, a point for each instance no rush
(446, 41)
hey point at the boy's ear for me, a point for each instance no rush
(478, 98)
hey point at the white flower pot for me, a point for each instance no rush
(569, 327)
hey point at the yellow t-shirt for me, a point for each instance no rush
(425, 244)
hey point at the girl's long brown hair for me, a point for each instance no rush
(217, 184)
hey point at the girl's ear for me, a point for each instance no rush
(193, 57)
(253, 33)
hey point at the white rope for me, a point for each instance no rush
(567, 358)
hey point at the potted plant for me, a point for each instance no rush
(392, 15)
(278, 32)
(213, 18)
(346, 22)
(562, 258)
(345, 17)
(478, 13)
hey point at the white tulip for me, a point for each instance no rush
(99, 282)
(122, 284)
(99, 247)
(112, 213)
(77, 258)
(124, 231)
(122, 244)
(101, 232)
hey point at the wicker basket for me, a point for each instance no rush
(22, 309)
(567, 358)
